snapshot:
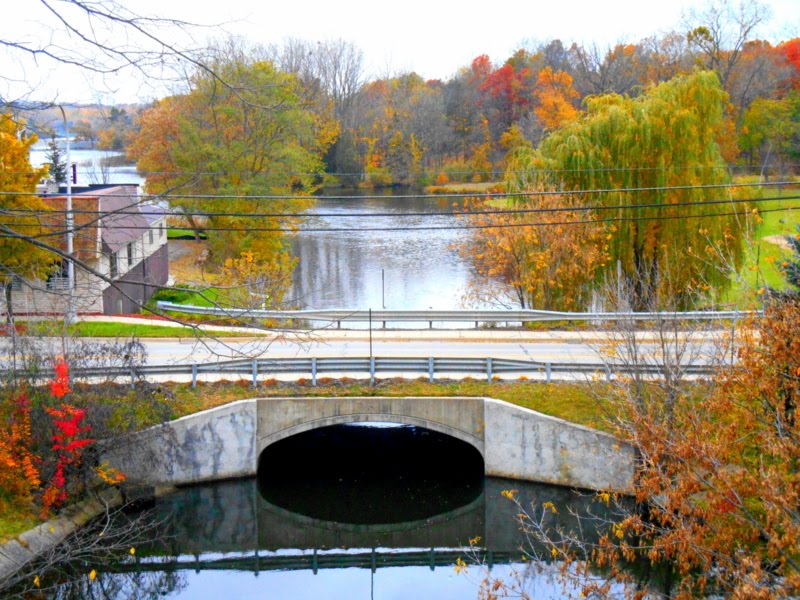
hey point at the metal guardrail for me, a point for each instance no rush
(451, 316)
(374, 365)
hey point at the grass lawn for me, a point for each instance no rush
(176, 233)
(16, 519)
(764, 255)
(580, 403)
(125, 330)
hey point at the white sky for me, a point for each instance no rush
(433, 38)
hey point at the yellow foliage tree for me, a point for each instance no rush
(22, 208)
(253, 282)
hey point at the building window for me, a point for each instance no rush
(150, 233)
(113, 266)
(161, 230)
(59, 279)
(130, 254)
(16, 283)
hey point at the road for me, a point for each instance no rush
(556, 347)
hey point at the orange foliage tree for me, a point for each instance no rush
(718, 486)
(536, 259)
(555, 99)
(19, 473)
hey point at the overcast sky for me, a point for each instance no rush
(432, 37)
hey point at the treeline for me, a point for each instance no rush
(402, 129)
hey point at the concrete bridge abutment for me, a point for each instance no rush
(515, 442)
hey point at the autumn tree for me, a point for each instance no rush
(331, 73)
(534, 259)
(791, 51)
(721, 30)
(654, 158)
(770, 131)
(214, 148)
(762, 72)
(619, 69)
(555, 99)
(507, 92)
(18, 259)
(400, 122)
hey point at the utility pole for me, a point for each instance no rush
(69, 318)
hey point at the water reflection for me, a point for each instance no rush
(398, 269)
(225, 540)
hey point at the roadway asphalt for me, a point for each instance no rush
(553, 346)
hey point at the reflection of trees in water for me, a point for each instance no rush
(83, 565)
(117, 586)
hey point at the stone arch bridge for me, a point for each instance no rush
(515, 442)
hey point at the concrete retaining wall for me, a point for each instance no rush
(206, 446)
(524, 444)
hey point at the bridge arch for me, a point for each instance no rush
(262, 443)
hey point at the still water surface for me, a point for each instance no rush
(90, 167)
(396, 268)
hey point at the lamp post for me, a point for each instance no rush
(70, 316)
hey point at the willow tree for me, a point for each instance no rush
(652, 167)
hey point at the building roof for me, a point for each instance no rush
(104, 216)
(153, 212)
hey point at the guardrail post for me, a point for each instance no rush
(372, 370)
(608, 374)
(430, 324)
(430, 369)
(547, 368)
(489, 370)
(255, 372)
(194, 376)
(314, 370)
(133, 378)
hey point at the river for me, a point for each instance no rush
(367, 251)
(90, 165)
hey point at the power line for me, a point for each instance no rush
(438, 171)
(656, 205)
(479, 195)
(446, 227)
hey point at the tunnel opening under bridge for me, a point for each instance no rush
(371, 473)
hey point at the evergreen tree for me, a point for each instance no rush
(56, 163)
